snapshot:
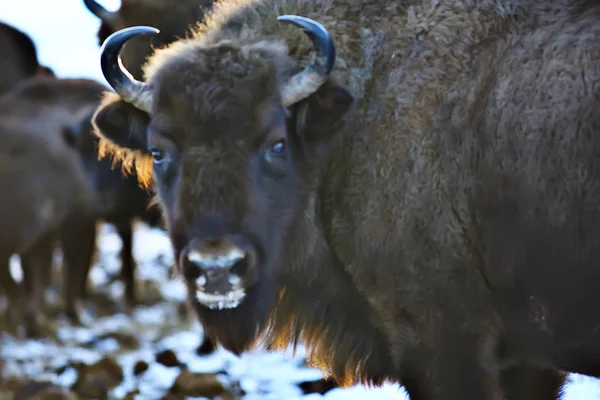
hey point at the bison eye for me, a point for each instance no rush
(274, 155)
(157, 155)
(278, 147)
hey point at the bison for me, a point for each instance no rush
(174, 18)
(121, 200)
(19, 58)
(46, 195)
(417, 202)
(64, 107)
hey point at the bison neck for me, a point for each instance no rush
(320, 307)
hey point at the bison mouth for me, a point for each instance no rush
(218, 300)
(231, 298)
(219, 280)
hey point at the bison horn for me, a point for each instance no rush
(305, 83)
(105, 16)
(130, 89)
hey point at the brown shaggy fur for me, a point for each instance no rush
(446, 237)
(44, 107)
(120, 202)
(64, 107)
(47, 105)
(45, 190)
(174, 18)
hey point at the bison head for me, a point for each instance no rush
(108, 19)
(237, 135)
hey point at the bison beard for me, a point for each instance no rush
(237, 328)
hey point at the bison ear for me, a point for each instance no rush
(122, 124)
(323, 115)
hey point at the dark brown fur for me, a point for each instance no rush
(446, 237)
(44, 191)
(174, 18)
(19, 59)
(64, 107)
(120, 197)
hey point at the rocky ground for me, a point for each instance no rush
(151, 351)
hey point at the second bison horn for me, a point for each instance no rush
(105, 16)
(305, 83)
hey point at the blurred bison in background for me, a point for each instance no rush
(63, 108)
(19, 59)
(121, 199)
(174, 18)
(46, 195)
(427, 214)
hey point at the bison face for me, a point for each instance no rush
(233, 165)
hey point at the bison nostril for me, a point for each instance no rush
(240, 268)
(213, 242)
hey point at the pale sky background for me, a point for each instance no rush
(64, 33)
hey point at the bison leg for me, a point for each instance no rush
(8, 286)
(46, 276)
(35, 264)
(207, 346)
(10, 290)
(128, 266)
(78, 244)
(532, 383)
(452, 370)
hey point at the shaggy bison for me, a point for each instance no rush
(174, 19)
(46, 194)
(424, 210)
(121, 201)
(19, 58)
(64, 107)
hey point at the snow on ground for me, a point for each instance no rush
(260, 374)
(65, 36)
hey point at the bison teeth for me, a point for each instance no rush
(201, 281)
(220, 301)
